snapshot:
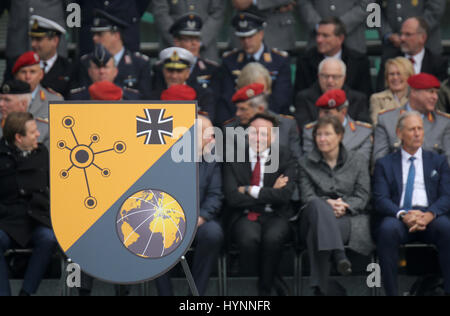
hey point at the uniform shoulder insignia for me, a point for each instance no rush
(446, 115)
(212, 62)
(130, 90)
(144, 57)
(310, 125)
(76, 90)
(229, 121)
(42, 120)
(85, 56)
(386, 111)
(363, 124)
(287, 116)
(280, 52)
(229, 53)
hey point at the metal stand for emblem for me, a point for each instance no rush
(189, 277)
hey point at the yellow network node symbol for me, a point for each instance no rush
(83, 157)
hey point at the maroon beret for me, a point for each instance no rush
(105, 90)
(424, 81)
(248, 92)
(27, 59)
(179, 92)
(332, 99)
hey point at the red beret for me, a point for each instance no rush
(26, 59)
(248, 92)
(424, 81)
(179, 92)
(105, 90)
(332, 99)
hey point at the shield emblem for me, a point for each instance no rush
(121, 206)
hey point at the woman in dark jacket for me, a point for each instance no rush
(24, 200)
(335, 188)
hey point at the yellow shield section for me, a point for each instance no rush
(96, 156)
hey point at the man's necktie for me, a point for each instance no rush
(407, 201)
(254, 181)
(45, 66)
(411, 59)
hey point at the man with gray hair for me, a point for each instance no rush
(15, 96)
(331, 76)
(422, 98)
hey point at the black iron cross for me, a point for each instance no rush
(154, 126)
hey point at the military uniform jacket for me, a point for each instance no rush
(357, 137)
(59, 77)
(82, 94)
(436, 126)
(351, 12)
(278, 65)
(212, 13)
(24, 194)
(204, 74)
(357, 76)
(395, 12)
(39, 105)
(279, 32)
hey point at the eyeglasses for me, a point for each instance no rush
(334, 77)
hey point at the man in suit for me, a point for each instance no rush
(133, 68)
(251, 100)
(45, 37)
(24, 200)
(258, 201)
(331, 76)
(212, 13)
(352, 13)
(411, 190)
(330, 37)
(209, 237)
(413, 36)
(250, 30)
(358, 135)
(422, 98)
(394, 13)
(279, 14)
(28, 69)
(15, 96)
(186, 32)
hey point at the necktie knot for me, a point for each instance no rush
(411, 59)
(411, 159)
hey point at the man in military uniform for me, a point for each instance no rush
(28, 69)
(15, 96)
(395, 12)
(250, 29)
(352, 13)
(212, 13)
(133, 68)
(251, 100)
(186, 32)
(279, 14)
(102, 68)
(423, 98)
(358, 135)
(176, 64)
(45, 38)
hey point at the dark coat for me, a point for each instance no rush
(238, 174)
(24, 191)
(349, 180)
(307, 112)
(358, 70)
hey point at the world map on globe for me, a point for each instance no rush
(151, 224)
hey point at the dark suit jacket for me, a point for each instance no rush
(210, 189)
(307, 112)
(238, 174)
(432, 63)
(358, 70)
(388, 188)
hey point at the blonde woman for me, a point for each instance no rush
(396, 75)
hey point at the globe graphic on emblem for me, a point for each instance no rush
(151, 224)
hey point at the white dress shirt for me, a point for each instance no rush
(419, 197)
